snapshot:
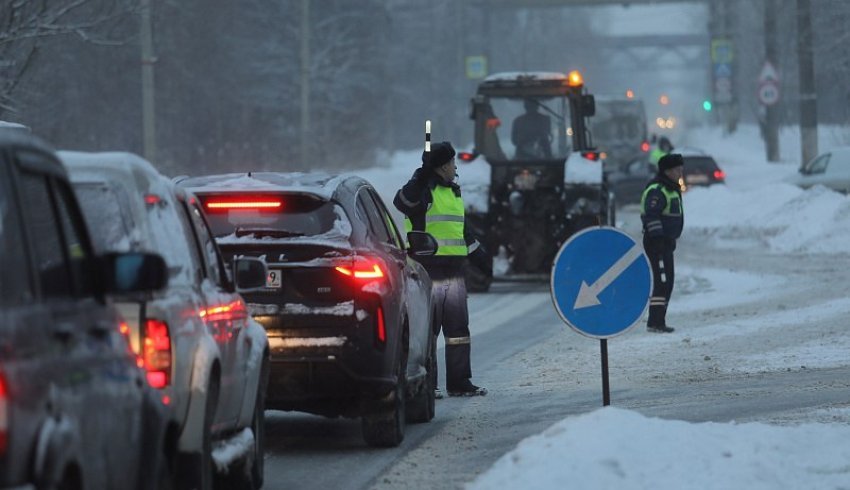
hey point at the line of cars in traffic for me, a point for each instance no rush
(146, 323)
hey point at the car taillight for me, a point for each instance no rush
(4, 415)
(719, 175)
(157, 353)
(363, 269)
(380, 327)
(591, 155)
(644, 147)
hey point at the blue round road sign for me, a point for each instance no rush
(601, 282)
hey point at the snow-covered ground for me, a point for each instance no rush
(770, 301)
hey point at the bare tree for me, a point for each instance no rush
(24, 24)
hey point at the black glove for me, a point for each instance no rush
(482, 261)
(421, 175)
(655, 244)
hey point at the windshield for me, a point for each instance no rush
(527, 129)
(274, 216)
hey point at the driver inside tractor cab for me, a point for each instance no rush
(531, 133)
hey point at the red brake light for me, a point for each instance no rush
(719, 175)
(381, 332)
(644, 147)
(466, 156)
(157, 353)
(591, 155)
(362, 268)
(244, 204)
(4, 415)
(152, 199)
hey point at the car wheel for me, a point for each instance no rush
(195, 470)
(249, 474)
(422, 406)
(383, 423)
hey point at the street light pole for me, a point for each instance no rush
(808, 95)
(148, 103)
(304, 134)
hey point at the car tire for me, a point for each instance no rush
(248, 475)
(383, 423)
(196, 470)
(423, 406)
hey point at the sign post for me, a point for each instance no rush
(600, 284)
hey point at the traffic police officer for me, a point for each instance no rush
(664, 147)
(431, 202)
(663, 218)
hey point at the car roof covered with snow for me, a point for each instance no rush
(321, 184)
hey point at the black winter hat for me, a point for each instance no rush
(671, 160)
(441, 154)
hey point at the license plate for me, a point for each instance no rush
(273, 280)
(696, 179)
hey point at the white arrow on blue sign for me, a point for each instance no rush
(601, 282)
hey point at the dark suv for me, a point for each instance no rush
(75, 409)
(347, 312)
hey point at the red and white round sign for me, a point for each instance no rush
(768, 92)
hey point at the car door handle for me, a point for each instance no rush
(414, 275)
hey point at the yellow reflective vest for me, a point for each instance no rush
(444, 221)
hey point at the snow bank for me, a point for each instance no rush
(757, 207)
(616, 448)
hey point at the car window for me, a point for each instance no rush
(395, 237)
(699, 165)
(208, 247)
(73, 231)
(105, 214)
(45, 233)
(277, 216)
(818, 165)
(373, 217)
(14, 282)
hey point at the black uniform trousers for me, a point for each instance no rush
(452, 317)
(663, 275)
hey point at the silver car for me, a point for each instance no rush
(195, 338)
(830, 169)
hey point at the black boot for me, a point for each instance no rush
(660, 329)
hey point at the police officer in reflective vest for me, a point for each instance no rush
(664, 147)
(663, 217)
(431, 202)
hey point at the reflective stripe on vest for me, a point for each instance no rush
(444, 221)
(669, 196)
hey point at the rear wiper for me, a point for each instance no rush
(269, 232)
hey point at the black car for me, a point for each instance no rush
(75, 409)
(347, 311)
(700, 169)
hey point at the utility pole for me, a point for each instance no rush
(148, 102)
(304, 143)
(808, 95)
(771, 115)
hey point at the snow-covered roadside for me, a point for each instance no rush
(621, 449)
(785, 313)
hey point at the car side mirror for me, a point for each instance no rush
(421, 244)
(133, 272)
(250, 274)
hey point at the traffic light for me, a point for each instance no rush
(706, 105)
